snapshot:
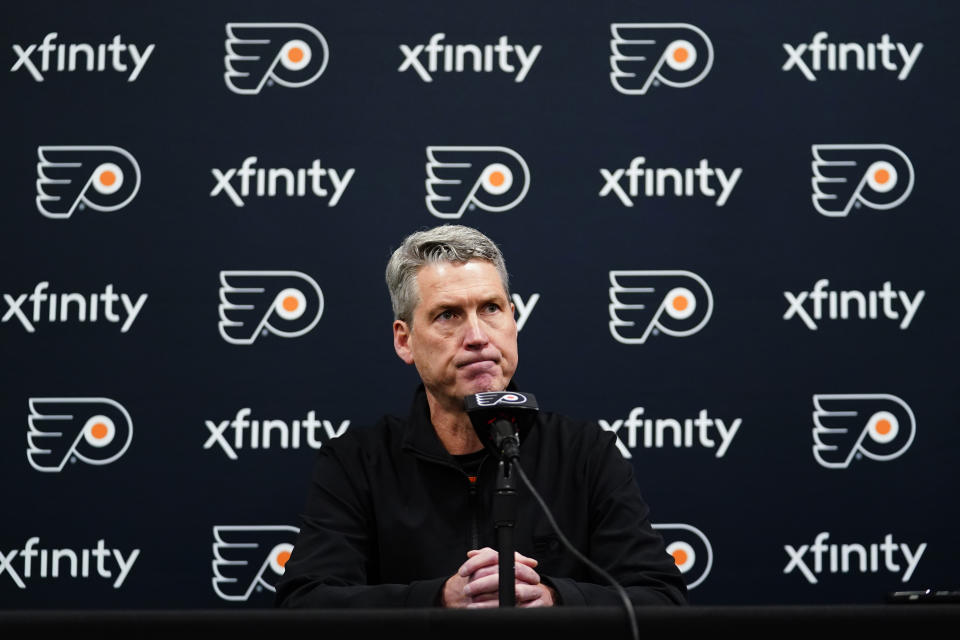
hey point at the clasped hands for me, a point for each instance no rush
(476, 584)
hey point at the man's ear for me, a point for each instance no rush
(401, 341)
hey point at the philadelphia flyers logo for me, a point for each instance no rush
(71, 178)
(691, 551)
(845, 176)
(848, 426)
(676, 303)
(95, 431)
(493, 398)
(287, 304)
(646, 55)
(249, 558)
(290, 54)
(491, 178)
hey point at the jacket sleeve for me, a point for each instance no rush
(334, 558)
(622, 541)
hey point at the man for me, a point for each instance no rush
(399, 515)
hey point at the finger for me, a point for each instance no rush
(487, 597)
(530, 562)
(483, 572)
(527, 593)
(529, 604)
(483, 557)
(481, 586)
(526, 574)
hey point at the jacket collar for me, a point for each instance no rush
(419, 434)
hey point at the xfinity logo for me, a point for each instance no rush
(56, 563)
(841, 56)
(524, 308)
(42, 58)
(63, 307)
(852, 558)
(685, 433)
(262, 434)
(457, 58)
(269, 183)
(702, 180)
(843, 305)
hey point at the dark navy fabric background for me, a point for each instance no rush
(752, 517)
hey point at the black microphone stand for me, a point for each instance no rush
(504, 518)
(499, 428)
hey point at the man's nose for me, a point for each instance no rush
(475, 335)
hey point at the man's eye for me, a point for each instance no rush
(445, 315)
(492, 307)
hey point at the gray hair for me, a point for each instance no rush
(445, 243)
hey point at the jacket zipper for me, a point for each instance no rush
(472, 495)
(475, 508)
(474, 528)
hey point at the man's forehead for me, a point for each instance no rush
(457, 279)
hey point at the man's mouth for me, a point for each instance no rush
(477, 366)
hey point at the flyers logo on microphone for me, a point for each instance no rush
(249, 558)
(492, 178)
(845, 176)
(493, 398)
(96, 431)
(104, 178)
(290, 54)
(676, 54)
(849, 426)
(691, 551)
(677, 303)
(285, 303)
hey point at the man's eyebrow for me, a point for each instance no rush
(443, 305)
(456, 303)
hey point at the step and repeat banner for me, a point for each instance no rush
(730, 227)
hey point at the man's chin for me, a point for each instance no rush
(482, 386)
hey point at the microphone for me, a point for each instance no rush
(501, 419)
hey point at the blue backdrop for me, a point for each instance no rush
(729, 226)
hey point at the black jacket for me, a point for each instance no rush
(390, 517)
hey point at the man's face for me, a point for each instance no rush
(463, 338)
